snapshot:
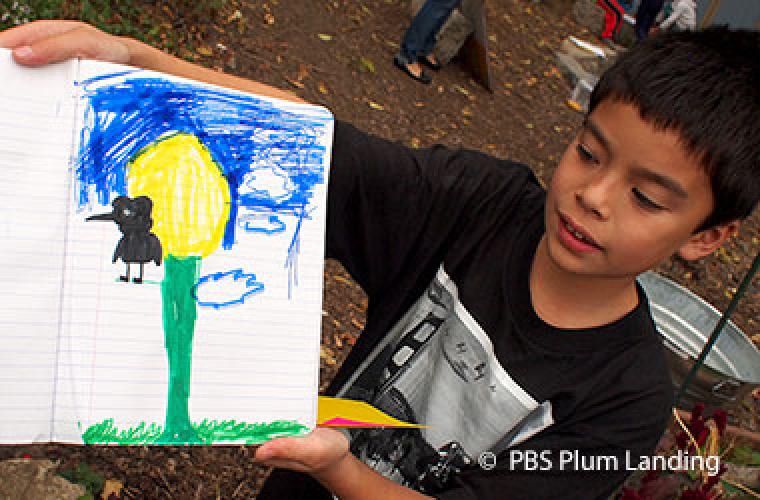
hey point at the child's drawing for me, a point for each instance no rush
(185, 168)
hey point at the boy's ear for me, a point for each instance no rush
(707, 241)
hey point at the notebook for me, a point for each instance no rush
(162, 256)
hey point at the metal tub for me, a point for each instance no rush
(685, 321)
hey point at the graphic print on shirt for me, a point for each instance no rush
(437, 367)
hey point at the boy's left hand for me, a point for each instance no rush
(319, 452)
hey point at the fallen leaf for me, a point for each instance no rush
(461, 90)
(357, 324)
(415, 143)
(574, 105)
(529, 125)
(303, 72)
(374, 105)
(419, 104)
(327, 356)
(205, 51)
(343, 280)
(269, 18)
(235, 16)
(111, 487)
(466, 111)
(322, 88)
(295, 83)
(367, 64)
(324, 37)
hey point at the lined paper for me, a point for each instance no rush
(36, 120)
(79, 345)
(253, 362)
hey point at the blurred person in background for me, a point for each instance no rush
(646, 16)
(419, 39)
(682, 16)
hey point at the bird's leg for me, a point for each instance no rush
(140, 279)
(125, 278)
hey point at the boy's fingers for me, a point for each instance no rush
(78, 42)
(286, 464)
(30, 33)
(282, 448)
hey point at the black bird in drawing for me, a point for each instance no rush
(138, 245)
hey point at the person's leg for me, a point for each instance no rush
(444, 8)
(645, 17)
(419, 38)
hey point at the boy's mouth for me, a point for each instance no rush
(575, 236)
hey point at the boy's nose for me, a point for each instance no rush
(594, 197)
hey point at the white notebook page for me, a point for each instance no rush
(36, 120)
(253, 362)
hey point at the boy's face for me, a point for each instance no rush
(624, 197)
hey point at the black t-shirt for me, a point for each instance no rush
(442, 242)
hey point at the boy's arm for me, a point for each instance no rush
(45, 42)
(324, 455)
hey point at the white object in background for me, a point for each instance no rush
(589, 47)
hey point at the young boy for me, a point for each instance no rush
(505, 318)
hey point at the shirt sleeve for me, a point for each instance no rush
(392, 209)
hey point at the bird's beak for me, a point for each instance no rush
(108, 216)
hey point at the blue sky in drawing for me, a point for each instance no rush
(272, 159)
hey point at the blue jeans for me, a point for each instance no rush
(419, 38)
(646, 16)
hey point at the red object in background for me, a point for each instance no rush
(613, 18)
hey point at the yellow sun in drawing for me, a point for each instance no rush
(191, 197)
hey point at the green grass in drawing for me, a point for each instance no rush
(207, 431)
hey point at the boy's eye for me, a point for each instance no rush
(645, 201)
(585, 153)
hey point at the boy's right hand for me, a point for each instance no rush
(43, 42)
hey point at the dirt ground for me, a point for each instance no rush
(338, 53)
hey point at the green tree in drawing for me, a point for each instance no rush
(191, 205)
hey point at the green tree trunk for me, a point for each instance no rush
(179, 314)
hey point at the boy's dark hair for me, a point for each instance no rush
(704, 85)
